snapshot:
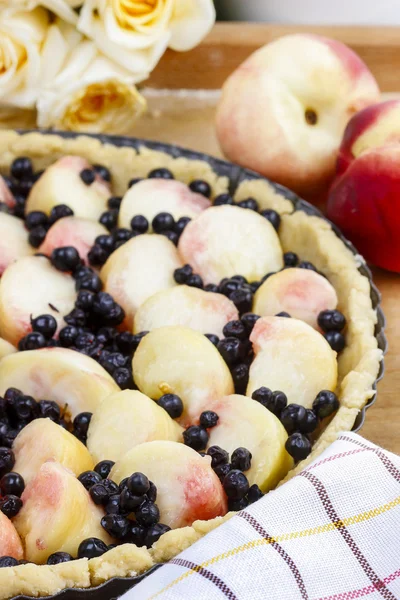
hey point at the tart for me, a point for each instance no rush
(169, 354)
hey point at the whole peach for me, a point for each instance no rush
(364, 200)
(284, 110)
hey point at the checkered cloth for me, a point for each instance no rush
(331, 533)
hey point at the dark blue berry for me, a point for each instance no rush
(66, 258)
(196, 437)
(172, 404)
(8, 561)
(163, 222)
(208, 419)
(138, 484)
(123, 378)
(272, 216)
(292, 416)
(116, 525)
(12, 484)
(235, 485)
(290, 259)
(114, 202)
(241, 459)
(109, 219)
(21, 168)
(181, 224)
(33, 341)
(91, 548)
(48, 409)
(230, 349)
(222, 470)
(104, 467)
(7, 460)
(130, 502)
(36, 218)
(160, 173)
(236, 505)
(336, 340)
(59, 557)
(154, 533)
(240, 376)
(10, 505)
(249, 320)
(331, 320)
(139, 223)
(97, 256)
(60, 212)
(235, 329)
(134, 181)
(103, 172)
(304, 264)
(88, 176)
(182, 274)
(147, 514)
(81, 422)
(211, 287)
(218, 456)
(242, 299)
(68, 335)
(201, 187)
(254, 493)
(325, 404)
(223, 199)
(298, 446)
(214, 339)
(99, 493)
(249, 203)
(44, 324)
(89, 478)
(195, 281)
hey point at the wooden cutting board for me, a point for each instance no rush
(187, 118)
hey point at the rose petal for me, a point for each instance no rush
(191, 21)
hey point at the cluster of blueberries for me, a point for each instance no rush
(20, 182)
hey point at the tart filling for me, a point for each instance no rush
(172, 354)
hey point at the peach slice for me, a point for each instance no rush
(72, 231)
(30, 287)
(10, 542)
(57, 514)
(13, 240)
(61, 184)
(6, 195)
(43, 440)
(126, 420)
(300, 292)
(138, 269)
(229, 240)
(291, 357)
(153, 196)
(203, 311)
(65, 376)
(243, 422)
(181, 361)
(6, 348)
(187, 487)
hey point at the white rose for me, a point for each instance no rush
(21, 38)
(89, 93)
(62, 8)
(136, 34)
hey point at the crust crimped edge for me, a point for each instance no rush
(309, 236)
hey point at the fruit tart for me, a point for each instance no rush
(170, 351)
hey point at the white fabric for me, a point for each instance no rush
(335, 535)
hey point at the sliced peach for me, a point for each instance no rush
(6, 195)
(61, 184)
(228, 240)
(243, 422)
(31, 287)
(13, 240)
(291, 357)
(69, 378)
(138, 269)
(10, 542)
(127, 419)
(187, 487)
(57, 514)
(72, 231)
(181, 361)
(183, 305)
(150, 197)
(6, 348)
(43, 440)
(300, 292)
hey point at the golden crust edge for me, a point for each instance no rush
(309, 236)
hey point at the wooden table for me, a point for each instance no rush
(187, 118)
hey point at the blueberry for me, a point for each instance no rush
(35, 219)
(45, 324)
(223, 199)
(195, 281)
(172, 236)
(48, 409)
(230, 349)
(21, 168)
(254, 493)
(162, 222)
(154, 533)
(85, 340)
(298, 446)
(325, 404)
(208, 419)
(241, 459)
(304, 264)
(235, 329)
(222, 470)
(89, 478)
(125, 342)
(214, 339)
(336, 340)
(181, 224)
(292, 416)
(103, 304)
(139, 223)
(211, 287)
(91, 548)
(77, 318)
(249, 203)
(218, 456)
(97, 256)
(88, 176)
(290, 259)
(254, 285)
(138, 484)
(90, 282)
(59, 557)
(249, 320)
(122, 234)
(182, 274)
(116, 525)
(81, 422)
(264, 396)
(10, 505)
(37, 235)
(114, 202)
(236, 505)
(8, 561)
(147, 514)
(84, 300)
(68, 335)
(12, 484)
(272, 216)
(66, 258)
(310, 423)
(106, 242)
(134, 181)
(152, 492)
(242, 299)
(104, 467)
(172, 404)
(33, 341)
(240, 376)
(99, 493)
(136, 534)
(103, 172)
(123, 378)
(160, 173)
(235, 485)
(283, 314)
(130, 502)
(113, 506)
(331, 320)
(201, 187)
(109, 219)
(25, 408)
(59, 212)
(196, 437)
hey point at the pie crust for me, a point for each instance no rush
(309, 236)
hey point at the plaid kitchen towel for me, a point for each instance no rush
(331, 533)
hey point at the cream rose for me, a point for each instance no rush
(136, 33)
(21, 38)
(89, 92)
(62, 8)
